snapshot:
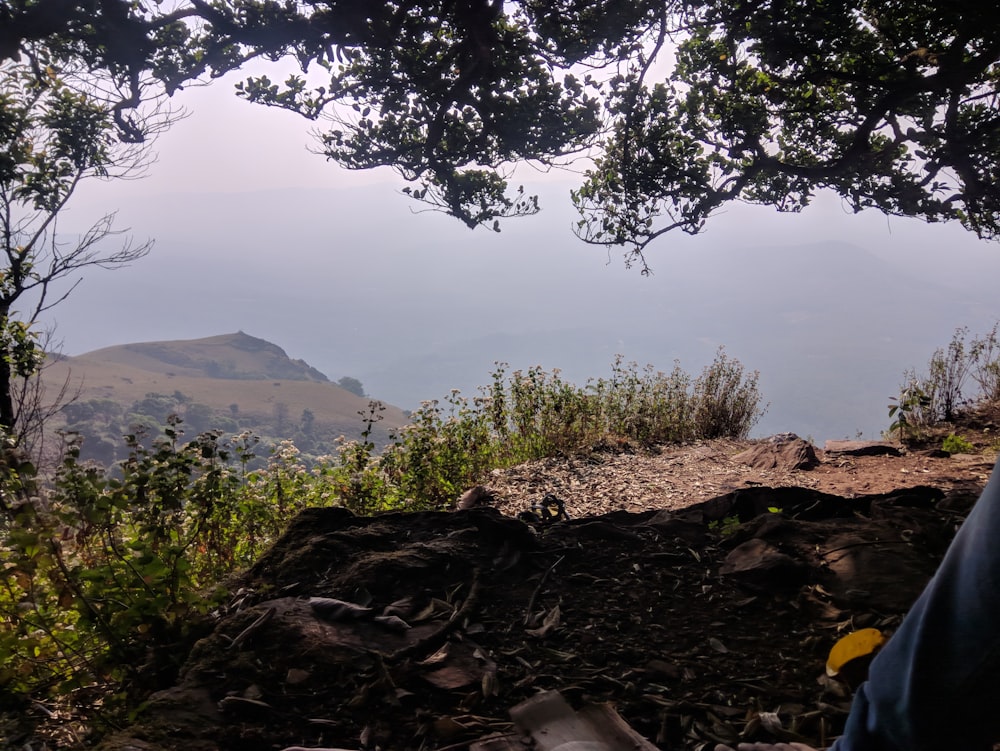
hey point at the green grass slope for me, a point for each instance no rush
(236, 356)
(239, 379)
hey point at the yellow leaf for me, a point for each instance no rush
(857, 644)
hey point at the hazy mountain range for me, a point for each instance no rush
(414, 305)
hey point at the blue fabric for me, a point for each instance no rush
(935, 686)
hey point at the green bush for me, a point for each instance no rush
(985, 353)
(533, 414)
(106, 572)
(941, 394)
(955, 444)
(727, 401)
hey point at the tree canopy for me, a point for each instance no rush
(680, 106)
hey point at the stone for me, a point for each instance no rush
(786, 451)
(757, 562)
(474, 497)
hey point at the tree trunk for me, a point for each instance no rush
(8, 419)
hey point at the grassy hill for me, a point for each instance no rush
(232, 382)
(236, 356)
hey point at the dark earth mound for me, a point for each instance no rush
(702, 624)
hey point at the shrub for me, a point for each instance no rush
(911, 409)
(940, 395)
(533, 413)
(106, 572)
(985, 353)
(949, 370)
(955, 444)
(727, 401)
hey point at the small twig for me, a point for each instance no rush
(864, 544)
(253, 627)
(805, 510)
(538, 589)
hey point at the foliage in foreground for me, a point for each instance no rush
(107, 574)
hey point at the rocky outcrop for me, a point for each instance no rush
(784, 452)
(862, 448)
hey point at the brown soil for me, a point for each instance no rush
(674, 592)
(677, 477)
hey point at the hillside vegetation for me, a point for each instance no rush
(110, 569)
(232, 383)
(232, 356)
(113, 572)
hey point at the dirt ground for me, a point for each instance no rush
(679, 476)
(697, 594)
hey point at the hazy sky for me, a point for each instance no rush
(228, 145)
(254, 232)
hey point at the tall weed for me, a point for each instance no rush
(533, 413)
(986, 364)
(727, 401)
(942, 392)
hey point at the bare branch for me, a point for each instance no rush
(65, 130)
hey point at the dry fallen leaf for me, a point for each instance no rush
(717, 645)
(392, 622)
(401, 607)
(490, 686)
(295, 676)
(438, 657)
(434, 608)
(550, 622)
(771, 722)
(332, 609)
(447, 728)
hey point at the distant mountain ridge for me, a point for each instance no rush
(233, 356)
(231, 382)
